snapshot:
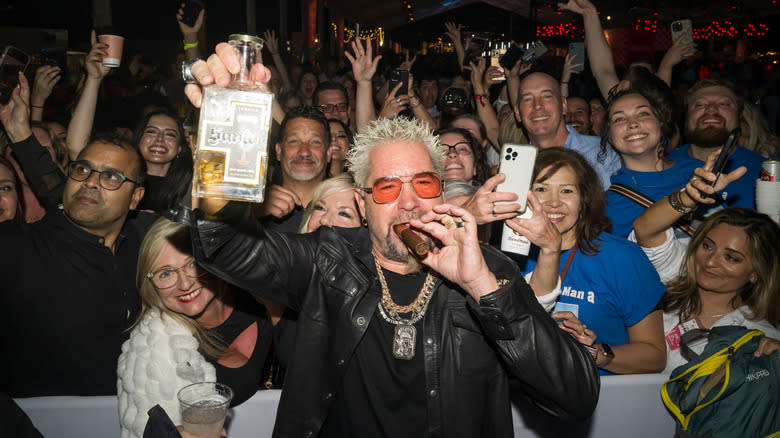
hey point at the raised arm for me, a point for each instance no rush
(681, 49)
(599, 53)
(190, 33)
(42, 173)
(363, 68)
(513, 80)
(569, 69)
(272, 45)
(453, 32)
(46, 76)
(80, 127)
(480, 83)
(650, 226)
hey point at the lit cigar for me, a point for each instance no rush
(414, 242)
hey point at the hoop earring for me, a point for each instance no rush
(364, 222)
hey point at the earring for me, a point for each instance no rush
(364, 222)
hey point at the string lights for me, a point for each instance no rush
(406, 8)
(377, 34)
(716, 29)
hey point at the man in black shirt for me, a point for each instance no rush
(68, 291)
(303, 152)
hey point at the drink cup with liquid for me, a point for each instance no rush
(203, 408)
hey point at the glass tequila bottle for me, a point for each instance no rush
(232, 151)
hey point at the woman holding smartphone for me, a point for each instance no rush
(639, 127)
(609, 287)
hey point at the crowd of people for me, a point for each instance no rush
(116, 281)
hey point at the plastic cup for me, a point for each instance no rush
(203, 408)
(115, 44)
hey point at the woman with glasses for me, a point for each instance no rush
(193, 327)
(464, 158)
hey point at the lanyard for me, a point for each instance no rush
(568, 262)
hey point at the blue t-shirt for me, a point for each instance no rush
(613, 289)
(655, 185)
(740, 193)
(589, 147)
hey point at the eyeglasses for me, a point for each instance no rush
(455, 99)
(426, 185)
(461, 148)
(169, 277)
(109, 179)
(331, 107)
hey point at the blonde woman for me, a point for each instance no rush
(193, 327)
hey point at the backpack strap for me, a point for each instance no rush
(705, 368)
(644, 201)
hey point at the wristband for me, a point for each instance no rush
(676, 202)
(479, 98)
(36, 106)
(190, 45)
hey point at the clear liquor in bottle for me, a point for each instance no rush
(233, 132)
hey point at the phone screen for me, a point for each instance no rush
(579, 50)
(12, 62)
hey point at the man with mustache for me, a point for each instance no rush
(541, 109)
(303, 153)
(68, 291)
(714, 110)
(389, 344)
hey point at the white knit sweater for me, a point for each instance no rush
(160, 358)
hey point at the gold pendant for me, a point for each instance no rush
(403, 341)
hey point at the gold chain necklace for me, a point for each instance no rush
(405, 335)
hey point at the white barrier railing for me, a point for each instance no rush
(628, 406)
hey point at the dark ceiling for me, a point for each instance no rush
(391, 13)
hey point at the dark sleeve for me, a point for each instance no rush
(44, 176)
(278, 266)
(552, 367)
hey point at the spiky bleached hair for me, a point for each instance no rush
(384, 131)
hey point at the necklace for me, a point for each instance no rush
(404, 334)
(713, 316)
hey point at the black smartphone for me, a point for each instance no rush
(728, 149)
(190, 11)
(12, 61)
(510, 58)
(58, 57)
(475, 47)
(402, 77)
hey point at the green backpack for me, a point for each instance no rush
(726, 391)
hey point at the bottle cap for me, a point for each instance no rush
(245, 37)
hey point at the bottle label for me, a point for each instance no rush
(235, 147)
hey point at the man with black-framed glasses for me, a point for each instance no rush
(331, 99)
(389, 343)
(68, 290)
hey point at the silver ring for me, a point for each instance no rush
(186, 71)
(460, 224)
(398, 100)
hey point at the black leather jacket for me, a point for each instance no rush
(470, 348)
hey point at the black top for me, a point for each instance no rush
(382, 396)
(246, 379)
(153, 185)
(65, 303)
